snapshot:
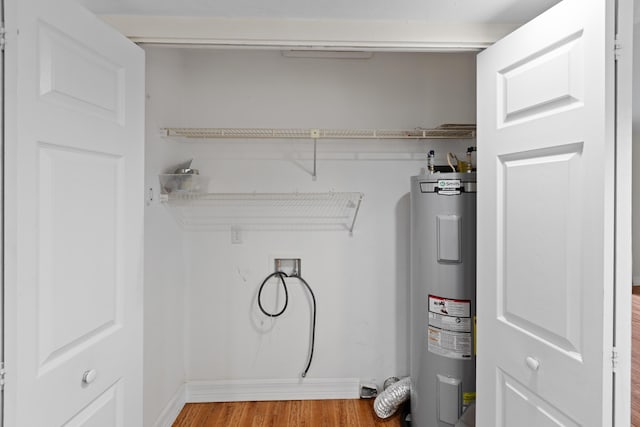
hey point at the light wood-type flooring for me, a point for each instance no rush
(635, 359)
(348, 413)
(288, 413)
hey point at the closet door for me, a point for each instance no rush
(73, 219)
(547, 220)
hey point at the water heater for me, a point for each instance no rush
(443, 297)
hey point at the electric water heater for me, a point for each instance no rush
(443, 297)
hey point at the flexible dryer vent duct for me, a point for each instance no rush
(388, 402)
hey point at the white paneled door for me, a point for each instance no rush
(73, 219)
(546, 214)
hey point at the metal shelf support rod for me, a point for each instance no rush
(315, 158)
(355, 215)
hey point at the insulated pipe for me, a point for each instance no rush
(388, 402)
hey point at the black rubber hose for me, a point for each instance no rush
(313, 326)
(286, 294)
(282, 275)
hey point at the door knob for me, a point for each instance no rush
(532, 363)
(89, 376)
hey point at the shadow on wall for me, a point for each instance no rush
(403, 247)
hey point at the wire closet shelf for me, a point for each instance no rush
(445, 131)
(265, 211)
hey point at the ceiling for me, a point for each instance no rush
(436, 11)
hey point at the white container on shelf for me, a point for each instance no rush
(183, 183)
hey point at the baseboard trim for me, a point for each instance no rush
(276, 389)
(173, 408)
(636, 280)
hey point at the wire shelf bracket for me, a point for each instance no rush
(445, 131)
(265, 211)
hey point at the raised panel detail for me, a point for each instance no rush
(80, 235)
(539, 285)
(522, 407)
(77, 77)
(545, 83)
(105, 411)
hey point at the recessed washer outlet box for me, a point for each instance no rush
(288, 266)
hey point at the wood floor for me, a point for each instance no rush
(289, 413)
(348, 413)
(635, 359)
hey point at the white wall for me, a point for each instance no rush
(165, 268)
(636, 152)
(361, 282)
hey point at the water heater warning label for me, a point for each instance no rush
(449, 323)
(450, 307)
(449, 330)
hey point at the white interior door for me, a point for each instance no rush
(546, 216)
(74, 218)
(1, 219)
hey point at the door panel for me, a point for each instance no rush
(546, 220)
(61, 58)
(540, 288)
(519, 403)
(74, 192)
(106, 410)
(547, 81)
(80, 286)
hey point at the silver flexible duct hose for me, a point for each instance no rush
(388, 402)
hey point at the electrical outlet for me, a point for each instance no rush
(288, 266)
